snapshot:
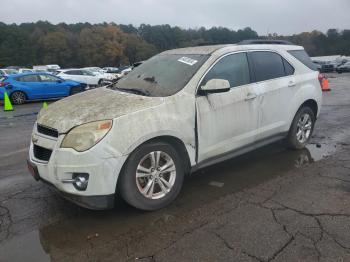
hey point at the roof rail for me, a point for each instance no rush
(265, 42)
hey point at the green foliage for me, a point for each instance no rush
(85, 44)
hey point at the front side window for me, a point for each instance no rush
(267, 65)
(233, 68)
(48, 78)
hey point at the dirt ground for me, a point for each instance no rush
(272, 204)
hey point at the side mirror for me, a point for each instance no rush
(60, 81)
(215, 86)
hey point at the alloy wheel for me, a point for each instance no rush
(304, 128)
(155, 175)
(18, 98)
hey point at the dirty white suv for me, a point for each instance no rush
(179, 111)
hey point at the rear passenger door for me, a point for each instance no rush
(31, 85)
(275, 80)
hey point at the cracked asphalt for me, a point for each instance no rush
(272, 204)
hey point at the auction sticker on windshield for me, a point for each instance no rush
(187, 61)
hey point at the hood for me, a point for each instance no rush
(94, 105)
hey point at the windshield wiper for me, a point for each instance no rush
(133, 90)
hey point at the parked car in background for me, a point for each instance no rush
(113, 70)
(25, 70)
(110, 69)
(326, 67)
(141, 136)
(101, 73)
(40, 71)
(343, 68)
(82, 75)
(6, 72)
(37, 86)
(136, 64)
(47, 68)
(126, 70)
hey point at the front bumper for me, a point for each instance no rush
(102, 163)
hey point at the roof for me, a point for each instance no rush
(29, 73)
(199, 50)
(210, 49)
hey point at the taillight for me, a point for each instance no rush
(3, 84)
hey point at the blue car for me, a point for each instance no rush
(37, 86)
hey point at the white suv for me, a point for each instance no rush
(179, 111)
(82, 76)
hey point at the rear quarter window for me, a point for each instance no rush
(303, 57)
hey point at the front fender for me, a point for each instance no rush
(172, 118)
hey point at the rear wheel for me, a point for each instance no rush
(152, 177)
(18, 98)
(302, 128)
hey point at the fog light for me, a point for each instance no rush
(81, 181)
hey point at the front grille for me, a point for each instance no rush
(42, 153)
(47, 131)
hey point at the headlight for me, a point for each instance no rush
(82, 138)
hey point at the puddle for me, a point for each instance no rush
(24, 248)
(320, 151)
(125, 231)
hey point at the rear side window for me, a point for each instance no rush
(28, 78)
(233, 68)
(267, 65)
(303, 57)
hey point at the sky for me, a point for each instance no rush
(284, 17)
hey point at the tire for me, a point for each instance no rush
(100, 82)
(18, 98)
(75, 90)
(130, 186)
(302, 128)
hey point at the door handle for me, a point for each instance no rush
(250, 96)
(291, 84)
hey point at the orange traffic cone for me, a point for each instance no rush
(325, 85)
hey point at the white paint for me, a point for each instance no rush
(226, 121)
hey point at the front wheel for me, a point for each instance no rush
(152, 177)
(302, 128)
(75, 90)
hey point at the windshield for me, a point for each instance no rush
(162, 75)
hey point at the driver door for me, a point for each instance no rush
(227, 121)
